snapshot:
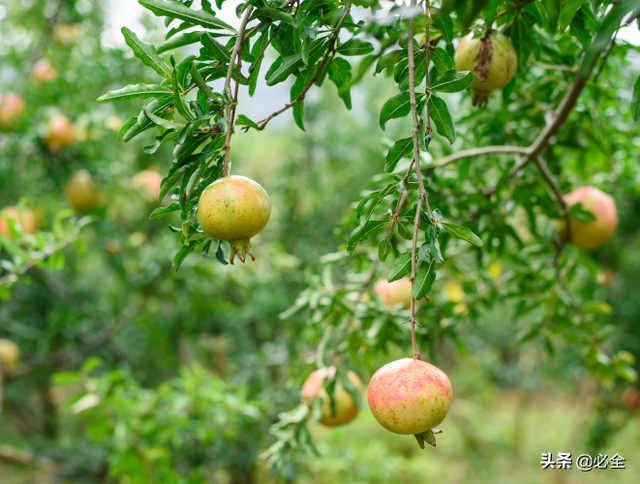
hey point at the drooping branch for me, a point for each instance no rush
(474, 152)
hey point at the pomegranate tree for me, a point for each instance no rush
(395, 292)
(491, 58)
(235, 209)
(23, 217)
(410, 396)
(593, 233)
(345, 407)
(9, 355)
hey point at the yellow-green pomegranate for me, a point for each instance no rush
(345, 408)
(235, 209)
(500, 56)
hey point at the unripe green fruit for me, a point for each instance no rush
(502, 68)
(81, 191)
(9, 355)
(346, 408)
(592, 234)
(235, 209)
(409, 396)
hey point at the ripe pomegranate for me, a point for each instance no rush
(395, 292)
(66, 34)
(60, 133)
(234, 208)
(631, 399)
(592, 234)
(410, 396)
(147, 183)
(9, 355)
(24, 217)
(43, 71)
(11, 105)
(81, 191)
(493, 65)
(346, 408)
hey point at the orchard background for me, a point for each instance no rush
(142, 361)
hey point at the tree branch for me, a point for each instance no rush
(472, 153)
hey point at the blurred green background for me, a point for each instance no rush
(133, 373)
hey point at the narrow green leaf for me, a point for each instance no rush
(445, 24)
(162, 211)
(440, 115)
(340, 75)
(136, 91)
(401, 148)
(244, 121)
(185, 250)
(463, 233)
(143, 122)
(635, 101)
(452, 81)
(217, 50)
(425, 276)
(177, 10)
(362, 232)
(441, 59)
(355, 47)
(552, 9)
(179, 41)
(275, 14)
(569, 11)
(397, 107)
(164, 123)
(202, 85)
(401, 267)
(146, 53)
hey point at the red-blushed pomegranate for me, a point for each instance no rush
(81, 191)
(147, 183)
(60, 133)
(9, 355)
(11, 105)
(631, 399)
(43, 71)
(235, 209)
(346, 408)
(410, 396)
(594, 233)
(395, 292)
(502, 64)
(24, 217)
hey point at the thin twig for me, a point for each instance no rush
(472, 153)
(606, 56)
(516, 7)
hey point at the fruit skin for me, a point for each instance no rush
(409, 396)
(502, 68)
(60, 133)
(43, 71)
(9, 355)
(234, 208)
(11, 105)
(395, 292)
(81, 191)
(592, 234)
(148, 184)
(25, 217)
(346, 407)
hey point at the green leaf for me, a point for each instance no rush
(177, 10)
(355, 47)
(577, 212)
(340, 75)
(440, 115)
(452, 81)
(521, 39)
(397, 107)
(401, 267)
(146, 53)
(298, 108)
(635, 101)
(164, 123)
(185, 250)
(275, 14)
(179, 41)
(569, 11)
(362, 232)
(202, 85)
(217, 50)
(401, 148)
(552, 9)
(425, 276)
(441, 59)
(136, 91)
(464, 233)
(162, 211)
(143, 122)
(445, 24)
(244, 121)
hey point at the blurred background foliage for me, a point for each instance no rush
(134, 373)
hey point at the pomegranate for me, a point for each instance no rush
(81, 191)
(592, 234)
(66, 34)
(346, 408)
(395, 292)
(24, 217)
(43, 71)
(492, 59)
(147, 183)
(631, 399)
(410, 396)
(11, 105)
(60, 133)
(9, 355)
(234, 208)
